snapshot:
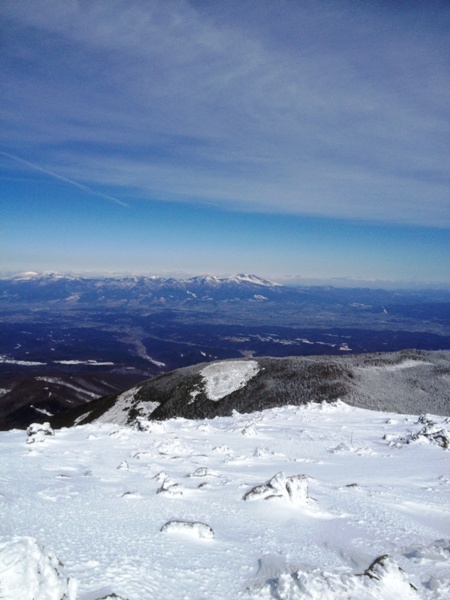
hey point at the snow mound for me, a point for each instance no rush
(383, 580)
(294, 489)
(223, 378)
(346, 448)
(37, 432)
(438, 551)
(197, 529)
(29, 573)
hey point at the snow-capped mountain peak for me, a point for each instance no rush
(254, 279)
(25, 275)
(204, 280)
(239, 279)
(43, 276)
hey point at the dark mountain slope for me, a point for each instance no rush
(404, 382)
(34, 398)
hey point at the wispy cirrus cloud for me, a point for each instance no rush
(80, 186)
(304, 108)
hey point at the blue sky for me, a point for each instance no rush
(289, 139)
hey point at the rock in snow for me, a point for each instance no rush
(37, 432)
(383, 580)
(294, 489)
(28, 572)
(199, 530)
(170, 488)
(431, 432)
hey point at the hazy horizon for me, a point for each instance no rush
(286, 280)
(291, 140)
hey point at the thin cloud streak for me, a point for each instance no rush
(79, 186)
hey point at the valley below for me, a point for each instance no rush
(65, 341)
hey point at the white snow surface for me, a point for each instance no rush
(91, 363)
(27, 572)
(118, 413)
(22, 363)
(380, 496)
(222, 378)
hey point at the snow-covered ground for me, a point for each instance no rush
(23, 363)
(91, 363)
(289, 503)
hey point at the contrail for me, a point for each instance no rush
(80, 186)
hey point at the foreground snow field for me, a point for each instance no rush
(288, 503)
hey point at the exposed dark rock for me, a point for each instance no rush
(37, 432)
(381, 566)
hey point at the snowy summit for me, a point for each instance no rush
(318, 502)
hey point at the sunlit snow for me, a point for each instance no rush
(223, 378)
(160, 512)
(91, 363)
(22, 363)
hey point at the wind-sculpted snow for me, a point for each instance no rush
(383, 580)
(279, 487)
(28, 572)
(127, 509)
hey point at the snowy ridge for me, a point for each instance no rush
(119, 412)
(45, 275)
(130, 280)
(72, 291)
(406, 382)
(244, 278)
(159, 512)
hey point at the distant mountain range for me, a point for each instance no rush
(74, 290)
(58, 290)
